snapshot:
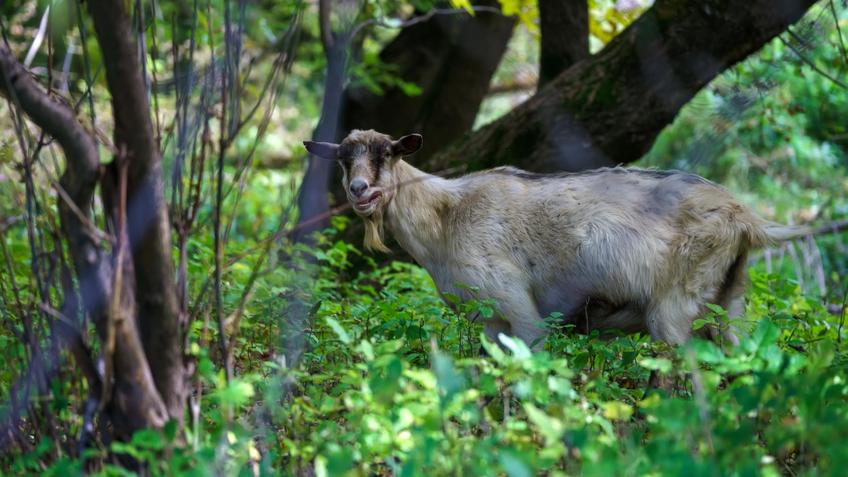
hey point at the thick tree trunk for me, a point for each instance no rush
(564, 25)
(451, 58)
(609, 108)
(159, 318)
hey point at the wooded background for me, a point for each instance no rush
(181, 289)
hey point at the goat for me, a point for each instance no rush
(617, 248)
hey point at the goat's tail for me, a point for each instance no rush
(764, 233)
(781, 233)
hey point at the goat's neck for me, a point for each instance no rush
(416, 214)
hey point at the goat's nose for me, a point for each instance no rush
(357, 187)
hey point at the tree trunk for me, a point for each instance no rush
(564, 25)
(313, 199)
(159, 318)
(609, 108)
(452, 59)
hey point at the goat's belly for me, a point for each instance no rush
(588, 312)
(603, 316)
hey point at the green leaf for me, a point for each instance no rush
(617, 410)
(340, 332)
(662, 365)
(550, 427)
(148, 439)
(492, 349)
(513, 465)
(450, 381)
(519, 350)
(237, 393)
(339, 460)
(702, 322)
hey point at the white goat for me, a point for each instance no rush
(614, 248)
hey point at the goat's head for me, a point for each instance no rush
(367, 159)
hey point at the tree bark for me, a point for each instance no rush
(452, 59)
(159, 317)
(564, 26)
(609, 108)
(313, 198)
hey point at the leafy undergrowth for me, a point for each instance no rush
(393, 382)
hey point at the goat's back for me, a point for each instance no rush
(616, 232)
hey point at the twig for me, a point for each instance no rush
(796, 263)
(810, 62)
(39, 38)
(118, 284)
(223, 144)
(831, 228)
(839, 33)
(396, 23)
(86, 68)
(84, 220)
(522, 85)
(341, 208)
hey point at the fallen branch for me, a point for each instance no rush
(831, 228)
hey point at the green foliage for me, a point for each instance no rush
(393, 384)
(391, 380)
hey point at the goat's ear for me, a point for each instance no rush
(324, 150)
(407, 145)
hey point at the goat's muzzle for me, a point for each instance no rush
(367, 203)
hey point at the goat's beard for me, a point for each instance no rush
(374, 232)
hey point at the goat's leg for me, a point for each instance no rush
(519, 309)
(735, 309)
(670, 316)
(731, 297)
(493, 327)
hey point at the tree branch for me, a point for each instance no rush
(609, 108)
(831, 228)
(55, 118)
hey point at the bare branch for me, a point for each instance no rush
(55, 118)
(831, 228)
(810, 63)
